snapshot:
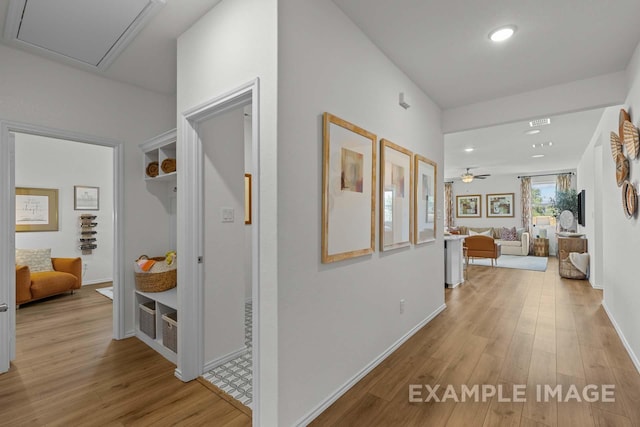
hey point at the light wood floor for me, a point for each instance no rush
(68, 372)
(505, 327)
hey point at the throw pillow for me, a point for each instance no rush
(519, 232)
(35, 259)
(482, 233)
(509, 234)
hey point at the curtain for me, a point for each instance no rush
(563, 182)
(525, 191)
(448, 204)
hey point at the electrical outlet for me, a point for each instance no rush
(402, 304)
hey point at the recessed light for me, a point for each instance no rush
(468, 150)
(533, 145)
(537, 156)
(550, 143)
(532, 131)
(503, 33)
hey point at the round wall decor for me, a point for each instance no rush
(616, 145)
(629, 199)
(622, 117)
(631, 139)
(622, 168)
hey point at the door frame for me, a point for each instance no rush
(190, 233)
(7, 220)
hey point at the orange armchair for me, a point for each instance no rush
(67, 276)
(480, 246)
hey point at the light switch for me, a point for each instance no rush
(227, 215)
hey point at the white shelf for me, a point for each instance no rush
(168, 298)
(158, 149)
(166, 302)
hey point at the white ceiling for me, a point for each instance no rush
(443, 45)
(150, 60)
(506, 149)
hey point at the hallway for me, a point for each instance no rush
(502, 327)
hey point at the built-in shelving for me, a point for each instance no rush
(157, 150)
(166, 302)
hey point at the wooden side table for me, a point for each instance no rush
(541, 247)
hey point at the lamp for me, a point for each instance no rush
(466, 177)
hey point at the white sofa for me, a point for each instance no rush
(518, 247)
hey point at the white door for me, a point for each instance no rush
(7, 255)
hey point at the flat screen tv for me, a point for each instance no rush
(581, 208)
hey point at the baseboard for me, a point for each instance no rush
(632, 355)
(96, 281)
(307, 419)
(130, 334)
(224, 359)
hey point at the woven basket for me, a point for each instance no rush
(157, 281)
(569, 271)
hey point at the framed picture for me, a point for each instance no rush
(247, 198)
(396, 187)
(86, 198)
(36, 209)
(469, 206)
(348, 190)
(500, 205)
(425, 202)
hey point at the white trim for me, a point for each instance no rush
(322, 406)
(129, 334)
(632, 355)
(7, 222)
(248, 300)
(95, 281)
(224, 359)
(190, 241)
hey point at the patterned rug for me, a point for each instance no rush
(536, 263)
(107, 292)
(235, 377)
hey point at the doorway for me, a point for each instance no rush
(218, 248)
(8, 130)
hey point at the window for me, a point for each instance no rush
(542, 203)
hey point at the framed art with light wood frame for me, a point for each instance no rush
(36, 209)
(469, 206)
(425, 200)
(348, 190)
(500, 205)
(396, 188)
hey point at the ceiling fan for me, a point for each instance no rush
(468, 176)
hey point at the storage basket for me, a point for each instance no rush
(170, 331)
(155, 280)
(569, 271)
(148, 318)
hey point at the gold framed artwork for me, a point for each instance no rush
(469, 206)
(348, 190)
(396, 187)
(425, 200)
(500, 205)
(86, 198)
(247, 198)
(36, 209)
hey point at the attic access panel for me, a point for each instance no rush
(92, 32)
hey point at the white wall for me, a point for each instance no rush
(224, 247)
(492, 185)
(53, 163)
(620, 236)
(42, 92)
(335, 319)
(231, 45)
